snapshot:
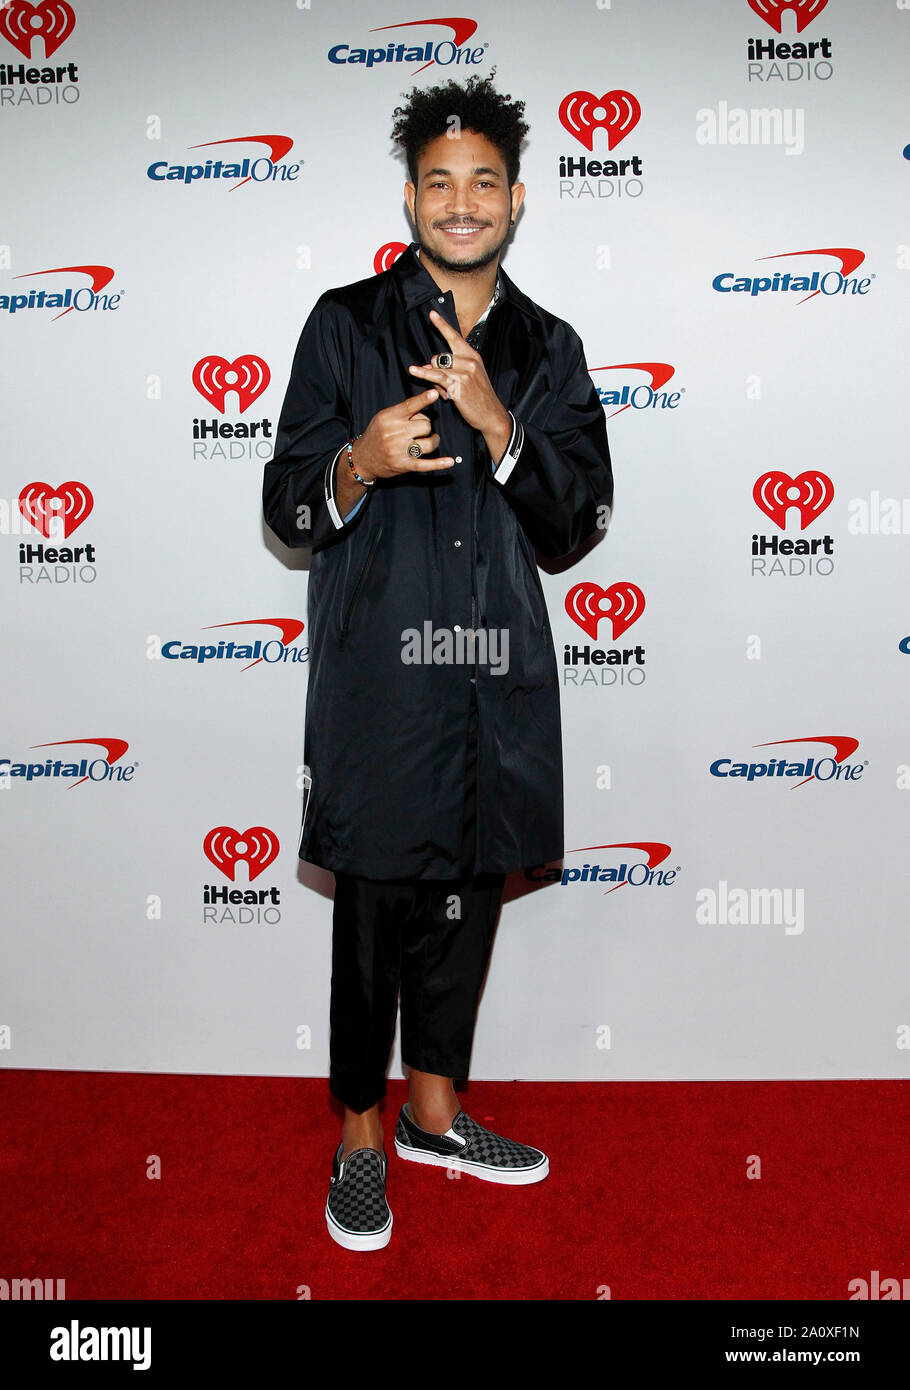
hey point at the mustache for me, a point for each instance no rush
(460, 222)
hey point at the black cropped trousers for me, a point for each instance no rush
(428, 940)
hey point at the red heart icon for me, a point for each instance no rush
(625, 602)
(615, 112)
(772, 11)
(75, 504)
(55, 23)
(810, 493)
(226, 847)
(214, 377)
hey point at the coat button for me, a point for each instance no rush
(457, 544)
(458, 458)
(441, 299)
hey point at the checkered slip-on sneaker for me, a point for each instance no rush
(356, 1211)
(469, 1148)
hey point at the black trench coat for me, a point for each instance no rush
(385, 741)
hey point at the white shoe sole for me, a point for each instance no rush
(358, 1240)
(510, 1177)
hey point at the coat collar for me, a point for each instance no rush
(416, 285)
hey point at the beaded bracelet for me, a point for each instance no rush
(366, 482)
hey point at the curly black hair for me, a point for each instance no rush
(479, 107)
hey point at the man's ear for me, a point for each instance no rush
(518, 196)
(410, 195)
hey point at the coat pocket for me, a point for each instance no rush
(351, 608)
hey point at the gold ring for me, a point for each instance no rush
(444, 360)
(414, 450)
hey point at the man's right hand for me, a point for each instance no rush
(382, 449)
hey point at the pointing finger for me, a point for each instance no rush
(431, 373)
(413, 404)
(427, 465)
(453, 338)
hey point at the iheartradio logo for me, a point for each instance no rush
(387, 255)
(55, 510)
(810, 493)
(52, 21)
(617, 112)
(772, 12)
(247, 377)
(587, 604)
(226, 847)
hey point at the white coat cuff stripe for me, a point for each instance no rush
(334, 513)
(510, 457)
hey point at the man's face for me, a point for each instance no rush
(462, 204)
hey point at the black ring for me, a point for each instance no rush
(444, 360)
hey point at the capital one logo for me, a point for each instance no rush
(55, 511)
(101, 769)
(445, 53)
(247, 377)
(644, 396)
(273, 650)
(387, 255)
(772, 11)
(827, 282)
(587, 604)
(21, 23)
(98, 769)
(252, 168)
(832, 767)
(644, 872)
(616, 112)
(640, 873)
(810, 493)
(226, 847)
(84, 299)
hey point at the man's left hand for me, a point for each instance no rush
(467, 384)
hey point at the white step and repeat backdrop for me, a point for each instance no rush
(718, 202)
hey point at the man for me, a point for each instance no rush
(437, 429)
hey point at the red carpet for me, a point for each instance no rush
(647, 1194)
